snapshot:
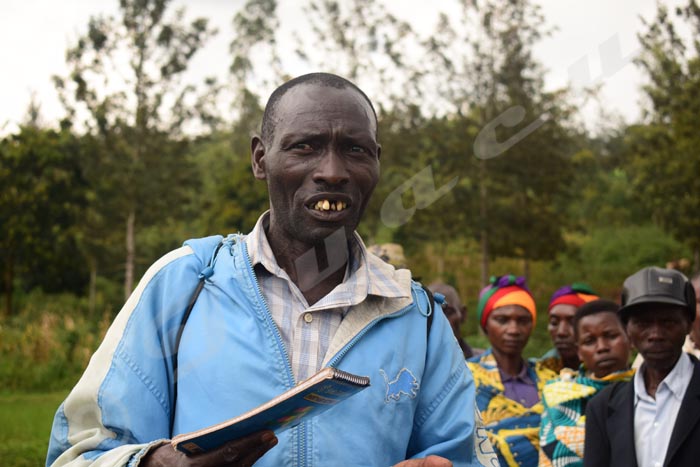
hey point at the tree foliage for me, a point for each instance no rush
(663, 153)
(42, 191)
(124, 88)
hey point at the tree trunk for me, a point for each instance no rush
(130, 254)
(483, 196)
(8, 279)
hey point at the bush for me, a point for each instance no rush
(48, 343)
(608, 255)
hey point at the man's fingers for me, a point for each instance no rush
(240, 452)
(430, 461)
(253, 456)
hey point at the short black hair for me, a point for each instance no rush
(269, 120)
(593, 308)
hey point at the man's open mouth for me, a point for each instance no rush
(328, 205)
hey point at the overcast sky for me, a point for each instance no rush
(593, 44)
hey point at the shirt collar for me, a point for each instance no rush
(523, 375)
(677, 380)
(365, 273)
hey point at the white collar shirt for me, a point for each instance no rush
(307, 330)
(654, 418)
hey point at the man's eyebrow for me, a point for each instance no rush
(348, 136)
(299, 135)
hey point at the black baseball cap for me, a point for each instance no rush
(654, 285)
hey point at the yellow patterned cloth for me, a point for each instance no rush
(512, 428)
(563, 420)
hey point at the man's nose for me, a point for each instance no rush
(331, 168)
(656, 331)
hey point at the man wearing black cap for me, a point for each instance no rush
(654, 420)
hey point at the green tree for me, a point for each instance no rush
(664, 161)
(124, 88)
(524, 135)
(42, 189)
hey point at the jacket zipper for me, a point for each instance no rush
(301, 433)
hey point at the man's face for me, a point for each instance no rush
(603, 346)
(561, 330)
(695, 328)
(658, 333)
(453, 309)
(321, 165)
(508, 329)
(454, 317)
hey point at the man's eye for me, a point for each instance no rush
(356, 148)
(302, 147)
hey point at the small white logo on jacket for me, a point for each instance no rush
(404, 383)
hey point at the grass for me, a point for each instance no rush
(25, 425)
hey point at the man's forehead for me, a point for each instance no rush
(657, 311)
(308, 98)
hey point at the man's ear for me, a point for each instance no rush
(379, 151)
(257, 158)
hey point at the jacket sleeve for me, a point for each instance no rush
(596, 448)
(447, 422)
(121, 405)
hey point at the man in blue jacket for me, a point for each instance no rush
(298, 293)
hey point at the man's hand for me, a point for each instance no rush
(430, 461)
(242, 452)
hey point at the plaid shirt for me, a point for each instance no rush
(306, 330)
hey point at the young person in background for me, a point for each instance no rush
(604, 351)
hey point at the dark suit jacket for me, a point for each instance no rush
(610, 428)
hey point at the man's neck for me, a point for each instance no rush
(507, 363)
(654, 375)
(308, 266)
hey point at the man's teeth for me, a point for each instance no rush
(326, 205)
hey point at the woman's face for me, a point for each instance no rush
(603, 346)
(508, 329)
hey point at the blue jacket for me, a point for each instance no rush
(232, 359)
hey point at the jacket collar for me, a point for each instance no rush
(688, 415)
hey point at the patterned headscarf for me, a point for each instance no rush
(502, 291)
(575, 294)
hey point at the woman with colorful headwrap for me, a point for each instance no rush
(562, 307)
(508, 387)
